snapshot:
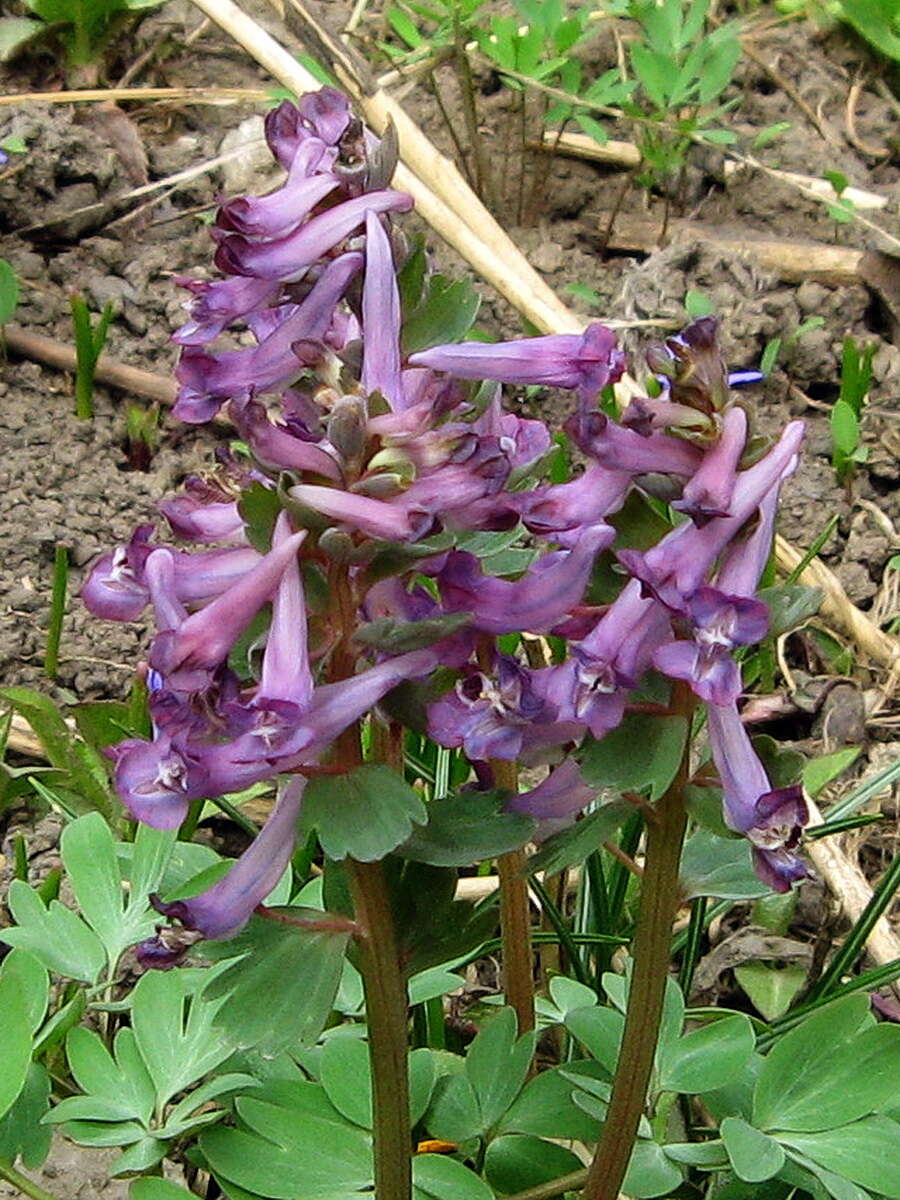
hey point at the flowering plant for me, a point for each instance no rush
(380, 563)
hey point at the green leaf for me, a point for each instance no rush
(446, 313)
(649, 1172)
(259, 508)
(140, 1156)
(297, 970)
(497, 1065)
(175, 1029)
(790, 604)
(119, 918)
(364, 814)
(454, 1115)
(54, 935)
(876, 21)
(436, 1177)
(706, 1058)
(754, 1155)
(117, 1087)
(654, 72)
(769, 134)
(828, 1070)
(467, 828)
(844, 427)
(720, 867)
(22, 1134)
(301, 1138)
(573, 845)
(772, 989)
(157, 1189)
(9, 284)
(600, 1032)
(642, 754)
(16, 1041)
(28, 978)
(518, 1161)
(697, 304)
(398, 637)
(346, 1078)
(545, 1107)
(866, 1152)
(819, 772)
(87, 781)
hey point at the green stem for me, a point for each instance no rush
(652, 945)
(23, 1183)
(556, 1187)
(386, 1018)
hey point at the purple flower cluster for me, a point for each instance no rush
(365, 454)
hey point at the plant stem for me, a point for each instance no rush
(556, 1187)
(652, 945)
(23, 1183)
(515, 918)
(386, 1017)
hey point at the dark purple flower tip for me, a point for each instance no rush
(781, 816)
(167, 949)
(324, 115)
(779, 869)
(691, 365)
(558, 798)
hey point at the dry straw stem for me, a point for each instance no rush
(176, 95)
(850, 888)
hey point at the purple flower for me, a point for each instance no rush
(202, 512)
(491, 717)
(676, 566)
(281, 211)
(276, 447)
(323, 115)
(609, 661)
(537, 601)
(772, 821)
(621, 449)
(565, 506)
(708, 492)
(116, 586)
(381, 318)
(208, 379)
(556, 800)
(691, 367)
(719, 623)
(288, 257)
(202, 640)
(584, 362)
(225, 907)
(217, 304)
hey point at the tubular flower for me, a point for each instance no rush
(383, 488)
(772, 821)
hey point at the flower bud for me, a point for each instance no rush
(347, 426)
(380, 487)
(337, 544)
